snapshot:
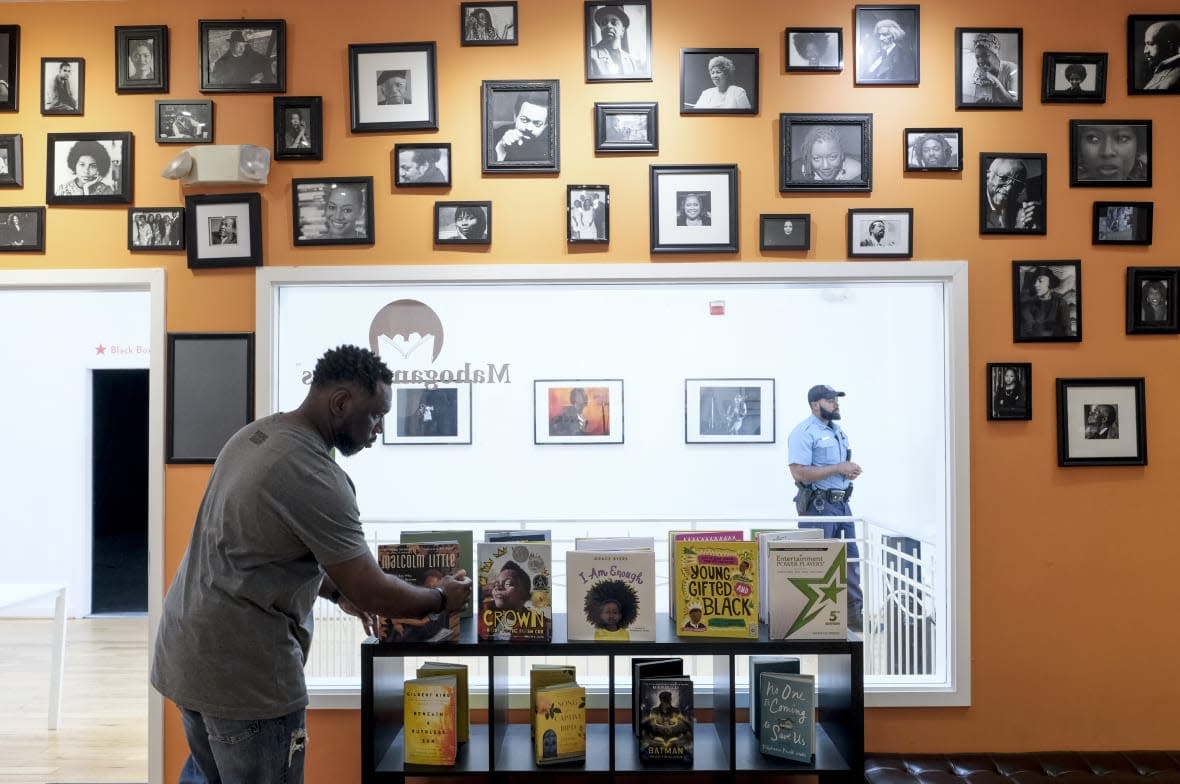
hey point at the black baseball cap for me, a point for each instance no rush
(822, 392)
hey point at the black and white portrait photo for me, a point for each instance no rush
(988, 62)
(1155, 296)
(1153, 54)
(694, 208)
(298, 127)
(221, 230)
(933, 149)
(815, 49)
(887, 44)
(463, 223)
(826, 152)
(89, 168)
(588, 208)
(1008, 390)
(719, 81)
(1110, 152)
(1123, 223)
(62, 85)
(520, 126)
(1151, 300)
(243, 55)
(784, 232)
(155, 228)
(487, 24)
(337, 211)
(618, 42)
(423, 165)
(1074, 77)
(881, 233)
(1102, 420)
(1047, 301)
(1012, 193)
(141, 59)
(11, 160)
(393, 87)
(9, 66)
(22, 229)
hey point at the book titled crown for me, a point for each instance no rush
(514, 584)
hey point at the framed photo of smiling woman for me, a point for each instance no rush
(826, 152)
(1110, 153)
(337, 211)
(88, 168)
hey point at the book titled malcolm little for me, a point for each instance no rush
(514, 591)
(716, 589)
(429, 715)
(421, 563)
(666, 724)
(787, 716)
(610, 596)
(560, 715)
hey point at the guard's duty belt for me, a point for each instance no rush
(835, 496)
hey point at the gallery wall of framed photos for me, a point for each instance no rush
(1027, 503)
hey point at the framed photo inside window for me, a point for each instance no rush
(1122, 222)
(223, 230)
(888, 44)
(578, 412)
(488, 24)
(12, 156)
(881, 234)
(9, 67)
(587, 210)
(1152, 300)
(1110, 153)
(729, 411)
(521, 126)
(89, 168)
(243, 55)
(299, 128)
(210, 392)
(718, 81)
(141, 59)
(332, 211)
(989, 62)
(1012, 194)
(393, 87)
(423, 165)
(626, 127)
(22, 229)
(463, 222)
(184, 122)
(933, 149)
(694, 209)
(1047, 301)
(1009, 386)
(1153, 44)
(618, 41)
(815, 49)
(155, 228)
(63, 85)
(439, 415)
(1074, 77)
(825, 152)
(1101, 422)
(784, 232)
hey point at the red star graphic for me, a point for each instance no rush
(100, 349)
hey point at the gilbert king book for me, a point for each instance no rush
(810, 596)
(559, 712)
(787, 716)
(610, 595)
(420, 563)
(666, 721)
(431, 736)
(466, 550)
(716, 589)
(515, 598)
(462, 711)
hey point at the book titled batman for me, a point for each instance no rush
(787, 716)
(666, 721)
(420, 563)
(715, 588)
(559, 712)
(610, 595)
(431, 736)
(514, 583)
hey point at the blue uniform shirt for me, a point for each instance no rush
(816, 443)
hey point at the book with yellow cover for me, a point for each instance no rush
(695, 536)
(462, 713)
(559, 712)
(715, 587)
(542, 675)
(431, 737)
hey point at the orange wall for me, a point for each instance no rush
(1060, 583)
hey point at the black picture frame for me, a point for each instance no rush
(626, 126)
(1049, 312)
(208, 220)
(1009, 391)
(881, 233)
(258, 66)
(447, 215)
(932, 149)
(814, 49)
(1153, 301)
(393, 87)
(155, 228)
(1122, 222)
(784, 231)
(113, 158)
(521, 126)
(1000, 85)
(618, 41)
(12, 160)
(184, 122)
(1101, 422)
(141, 59)
(1013, 198)
(422, 165)
(9, 67)
(1145, 77)
(587, 223)
(847, 133)
(22, 229)
(332, 211)
(497, 26)
(699, 93)
(1110, 153)
(63, 92)
(1073, 77)
(298, 128)
(210, 392)
(893, 61)
(674, 227)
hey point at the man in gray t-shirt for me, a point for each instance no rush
(278, 526)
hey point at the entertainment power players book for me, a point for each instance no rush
(810, 599)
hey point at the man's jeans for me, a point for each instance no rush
(251, 751)
(836, 530)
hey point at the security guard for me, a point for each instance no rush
(819, 458)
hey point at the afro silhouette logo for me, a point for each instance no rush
(407, 325)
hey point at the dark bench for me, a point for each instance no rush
(1063, 767)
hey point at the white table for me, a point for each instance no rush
(12, 594)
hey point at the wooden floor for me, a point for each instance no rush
(103, 735)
